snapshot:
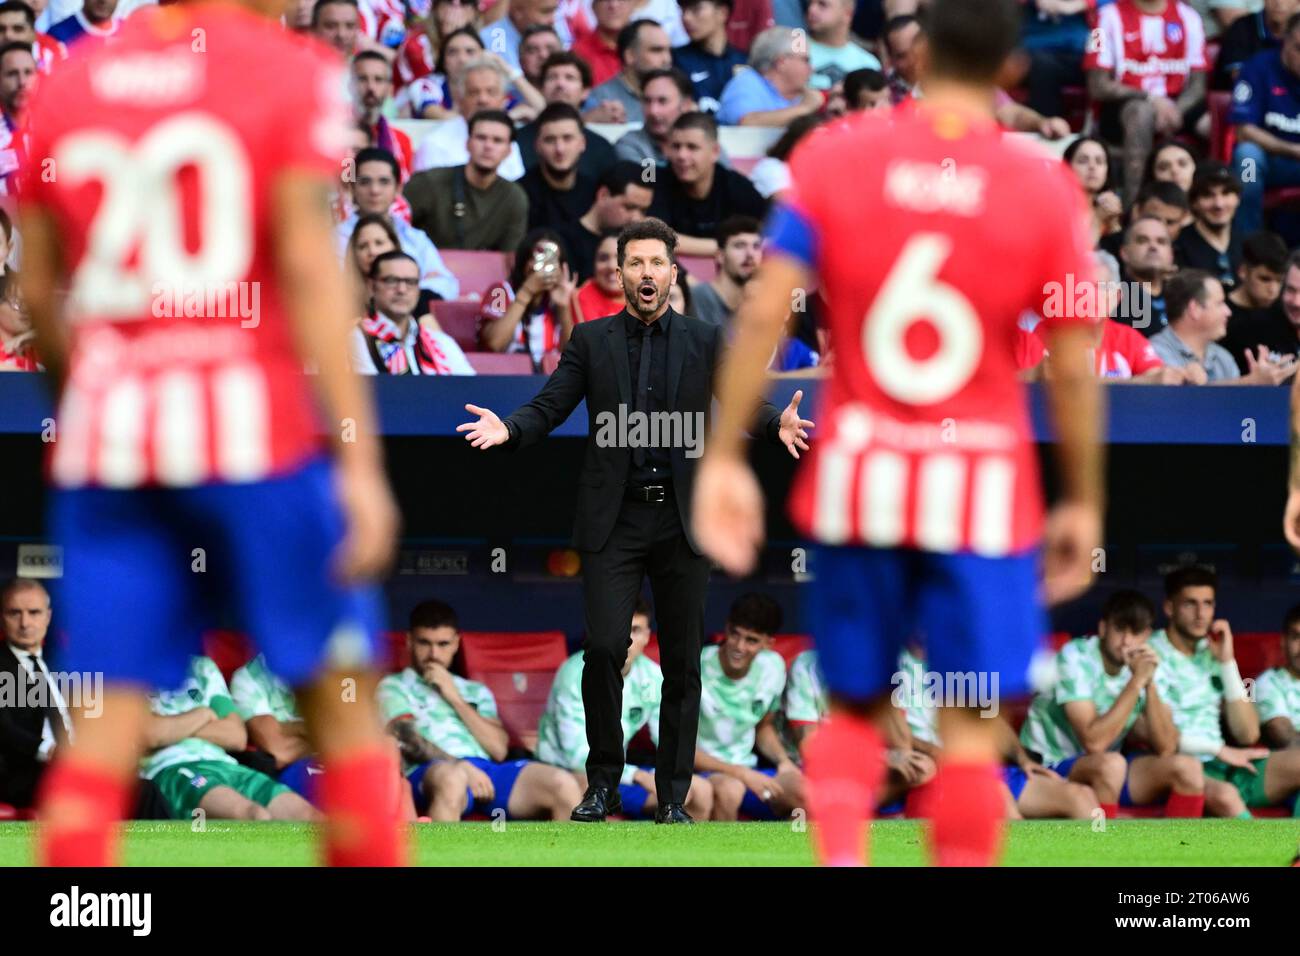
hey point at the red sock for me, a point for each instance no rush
(356, 794)
(87, 804)
(919, 801)
(844, 764)
(1185, 805)
(968, 814)
(1111, 810)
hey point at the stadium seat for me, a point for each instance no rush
(790, 646)
(700, 268)
(477, 270)
(1257, 652)
(745, 164)
(397, 655)
(518, 667)
(229, 650)
(459, 319)
(500, 363)
(1219, 104)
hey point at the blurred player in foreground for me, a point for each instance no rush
(923, 488)
(185, 211)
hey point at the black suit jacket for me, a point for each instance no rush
(20, 733)
(594, 366)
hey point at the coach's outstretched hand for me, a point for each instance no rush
(489, 430)
(794, 430)
(727, 513)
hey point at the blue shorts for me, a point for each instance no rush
(502, 775)
(137, 592)
(301, 776)
(969, 612)
(634, 797)
(752, 805)
(1066, 765)
(1016, 780)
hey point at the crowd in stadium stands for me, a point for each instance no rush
(1128, 717)
(561, 121)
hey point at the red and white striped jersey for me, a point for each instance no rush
(1155, 52)
(917, 230)
(183, 369)
(47, 51)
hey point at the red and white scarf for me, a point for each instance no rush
(392, 346)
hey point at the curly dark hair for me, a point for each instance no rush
(648, 228)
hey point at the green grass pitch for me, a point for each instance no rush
(894, 843)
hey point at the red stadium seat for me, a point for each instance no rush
(500, 363)
(1257, 652)
(1222, 134)
(397, 654)
(652, 649)
(745, 164)
(700, 268)
(230, 650)
(790, 646)
(476, 270)
(518, 667)
(459, 319)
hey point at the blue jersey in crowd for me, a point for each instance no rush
(1267, 95)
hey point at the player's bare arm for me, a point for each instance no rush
(164, 731)
(415, 747)
(489, 732)
(1239, 713)
(317, 296)
(768, 743)
(1157, 720)
(1097, 732)
(228, 732)
(1073, 530)
(728, 511)
(285, 741)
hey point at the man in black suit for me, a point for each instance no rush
(33, 720)
(646, 364)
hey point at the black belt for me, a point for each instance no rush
(650, 494)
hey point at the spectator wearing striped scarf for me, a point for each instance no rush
(390, 341)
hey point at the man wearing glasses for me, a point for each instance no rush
(391, 341)
(774, 90)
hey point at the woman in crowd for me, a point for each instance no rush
(532, 311)
(1172, 162)
(602, 294)
(430, 97)
(372, 236)
(1090, 162)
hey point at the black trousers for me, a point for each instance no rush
(647, 540)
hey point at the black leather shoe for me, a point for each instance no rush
(672, 813)
(597, 803)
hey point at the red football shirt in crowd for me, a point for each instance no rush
(1155, 52)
